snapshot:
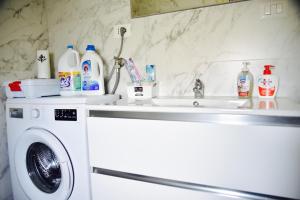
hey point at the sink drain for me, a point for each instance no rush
(196, 103)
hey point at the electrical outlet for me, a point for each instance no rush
(272, 9)
(117, 32)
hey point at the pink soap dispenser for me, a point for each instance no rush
(267, 83)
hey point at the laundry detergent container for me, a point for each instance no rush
(33, 88)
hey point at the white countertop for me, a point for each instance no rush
(273, 107)
(80, 99)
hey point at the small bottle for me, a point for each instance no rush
(150, 73)
(245, 82)
(267, 83)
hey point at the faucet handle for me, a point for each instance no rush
(198, 84)
(198, 89)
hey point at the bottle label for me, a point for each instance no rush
(150, 71)
(86, 68)
(87, 82)
(266, 86)
(76, 80)
(244, 86)
(70, 81)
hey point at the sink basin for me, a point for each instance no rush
(211, 102)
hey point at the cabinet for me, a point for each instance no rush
(260, 159)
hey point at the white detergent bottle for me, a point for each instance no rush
(92, 79)
(267, 83)
(69, 72)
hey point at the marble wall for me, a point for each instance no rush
(5, 187)
(23, 30)
(209, 43)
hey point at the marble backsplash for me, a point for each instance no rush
(23, 30)
(209, 43)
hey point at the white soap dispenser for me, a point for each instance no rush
(267, 83)
(245, 82)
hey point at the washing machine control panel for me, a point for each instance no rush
(16, 112)
(65, 114)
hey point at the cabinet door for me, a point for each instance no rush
(262, 159)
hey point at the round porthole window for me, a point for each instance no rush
(43, 167)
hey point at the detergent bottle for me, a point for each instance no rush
(69, 72)
(92, 79)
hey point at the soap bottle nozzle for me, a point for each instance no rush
(267, 70)
(245, 68)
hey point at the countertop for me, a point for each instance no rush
(266, 107)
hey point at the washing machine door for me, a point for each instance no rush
(43, 167)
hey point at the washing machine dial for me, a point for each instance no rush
(35, 113)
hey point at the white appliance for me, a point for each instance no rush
(47, 144)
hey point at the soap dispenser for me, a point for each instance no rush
(267, 83)
(245, 82)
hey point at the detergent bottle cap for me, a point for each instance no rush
(90, 47)
(267, 70)
(70, 46)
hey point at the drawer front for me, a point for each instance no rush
(261, 159)
(107, 187)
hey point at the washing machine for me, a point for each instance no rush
(48, 150)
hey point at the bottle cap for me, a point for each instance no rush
(90, 47)
(245, 68)
(70, 46)
(149, 68)
(267, 70)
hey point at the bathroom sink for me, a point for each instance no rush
(210, 102)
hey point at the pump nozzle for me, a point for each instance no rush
(267, 70)
(245, 68)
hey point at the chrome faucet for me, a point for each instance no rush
(198, 89)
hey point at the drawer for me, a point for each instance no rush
(113, 188)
